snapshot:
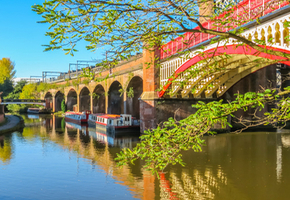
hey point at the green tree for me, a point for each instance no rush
(127, 27)
(17, 90)
(7, 71)
(29, 91)
(63, 106)
(6, 87)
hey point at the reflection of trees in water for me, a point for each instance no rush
(5, 149)
(30, 133)
(201, 184)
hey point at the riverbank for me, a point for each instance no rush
(13, 122)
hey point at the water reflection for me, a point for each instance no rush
(5, 149)
(99, 149)
(244, 166)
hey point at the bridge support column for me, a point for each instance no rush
(78, 104)
(125, 102)
(92, 103)
(65, 100)
(53, 103)
(106, 102)
(148, 100)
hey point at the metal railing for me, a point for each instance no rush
(23, 101)
(245, 10)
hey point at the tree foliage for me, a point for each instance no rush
(7, 71)
(63, 106)
(6, 87)
(124, 27)
(29, 91)
(17, 90)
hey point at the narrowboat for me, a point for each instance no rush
(77, 117)
(93, 119)
(117, 124)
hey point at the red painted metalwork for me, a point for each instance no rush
(230, 50)
(245, 10)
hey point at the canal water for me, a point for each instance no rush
(50, 159)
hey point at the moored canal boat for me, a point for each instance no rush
(117, 124)
(93, 119)
(77, 117)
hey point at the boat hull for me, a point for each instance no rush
(78, 121)
(91, 123)
(117, 130)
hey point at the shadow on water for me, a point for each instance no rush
(251, 165)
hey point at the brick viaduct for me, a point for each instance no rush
(110, 95)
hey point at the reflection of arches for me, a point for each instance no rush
(71, 99)
(48, 101)
(115, 99)
(85, 99)
(132, 103)
(99, 99)
(58, 99)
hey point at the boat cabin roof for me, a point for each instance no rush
(78, 113)
(98, 114)
(110, 116)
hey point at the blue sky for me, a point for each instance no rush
(21, 38)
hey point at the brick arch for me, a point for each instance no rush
(115, 99)
(68, 89)
(134, 77)
(48, 97)
(94, 84)
(59, 97)
(84, 98)
(132, 102)
(99, 99)
(52, 91)
(71, 97)
(240, 52)
(82, 86)
(47, 94)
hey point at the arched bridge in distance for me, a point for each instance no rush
(24, 101)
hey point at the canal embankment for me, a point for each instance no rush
(11, 123)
